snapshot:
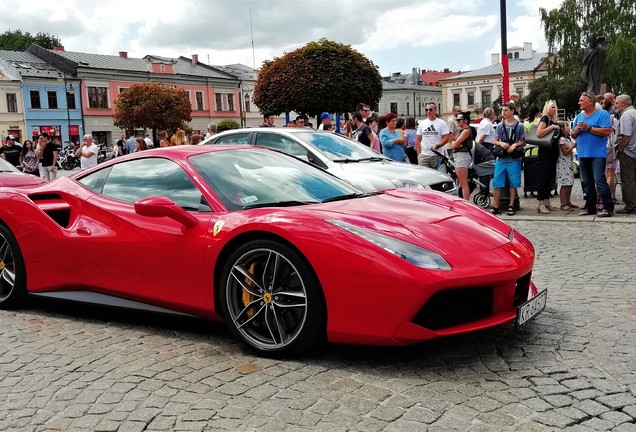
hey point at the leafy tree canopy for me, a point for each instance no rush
(565, 91)
(321, 76)
(152, 105)
(227, 125)
(567, 27)
(16, 40)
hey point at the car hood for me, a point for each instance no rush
(16, 179)
(433, 220)
(382, 175)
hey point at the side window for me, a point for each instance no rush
(142, 178)
(239, 138)
(280, 143)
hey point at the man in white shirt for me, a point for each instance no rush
(485, 130)
(148, 141)
(87, 153)
(212, 128)
(431, 134)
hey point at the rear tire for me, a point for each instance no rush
(12, 271)
(272, 300)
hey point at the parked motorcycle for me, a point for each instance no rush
(67, 161)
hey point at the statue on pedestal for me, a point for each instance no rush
(593, 63)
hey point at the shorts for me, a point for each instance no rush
(462, 159)
(507, 169)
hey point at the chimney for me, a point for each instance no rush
(446, 70)
(58, 48)
(527, 50)
(123, 54)
(195, 58)
(494, 58)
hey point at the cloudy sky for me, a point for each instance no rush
(428, 34)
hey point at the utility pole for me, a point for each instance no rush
(505, 79)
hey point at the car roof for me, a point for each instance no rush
(181, 153)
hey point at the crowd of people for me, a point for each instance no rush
(603, 134)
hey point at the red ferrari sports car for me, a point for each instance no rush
(283, 252)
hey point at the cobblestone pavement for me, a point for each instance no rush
(70, 368)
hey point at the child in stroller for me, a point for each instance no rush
(479, 174)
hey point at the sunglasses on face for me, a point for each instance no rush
(430, 109)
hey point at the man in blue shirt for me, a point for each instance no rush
(591, 131)
(130, 144)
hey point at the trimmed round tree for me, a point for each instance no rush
(153, 106)
(321, 76)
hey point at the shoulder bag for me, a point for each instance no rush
(544, 141)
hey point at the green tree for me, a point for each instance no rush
(153, 106)
(565, 91)
(321, 76)
(16, 40)
(227, 125)
(567, 27)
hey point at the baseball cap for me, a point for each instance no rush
(324, 115)
(10, 137)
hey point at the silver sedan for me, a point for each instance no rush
(340, 156)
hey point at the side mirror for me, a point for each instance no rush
(159, 206)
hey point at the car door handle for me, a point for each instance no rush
(83, 231)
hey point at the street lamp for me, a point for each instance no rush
(70, 91)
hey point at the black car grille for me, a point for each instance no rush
(455, 307)
(443, 186)
(521, 289)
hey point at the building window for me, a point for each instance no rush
(199, 97)
(52, 97)
(12, 102)
(517, 55)
(70, 100)
(35, 99)
(97, 97)
(456, 99)
(408, 108)
(121, 89)
(247, 103)
(485, 98)
(187, 92)
(519, 91)
(224, 101)
(393, 108)
(471, 99)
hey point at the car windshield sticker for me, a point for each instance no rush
(218, 226)
(248, 199)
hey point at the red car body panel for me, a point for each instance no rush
(372, 296)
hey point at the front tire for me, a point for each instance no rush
(12, 271)
(272, 300)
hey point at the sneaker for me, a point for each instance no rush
(495, 211)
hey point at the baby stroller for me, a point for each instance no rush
(483, 171)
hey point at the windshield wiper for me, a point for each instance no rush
(347, 160)
(290, 203)
(373, 159)
(351, 196)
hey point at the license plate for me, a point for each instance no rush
(531, 308)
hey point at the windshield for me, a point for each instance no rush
(245, 178)
(337, 147)
(7, 167)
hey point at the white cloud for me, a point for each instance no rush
(221, 30)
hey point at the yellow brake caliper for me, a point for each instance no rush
(247, 297)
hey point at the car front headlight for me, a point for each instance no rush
(415, 255)
(400, 183)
